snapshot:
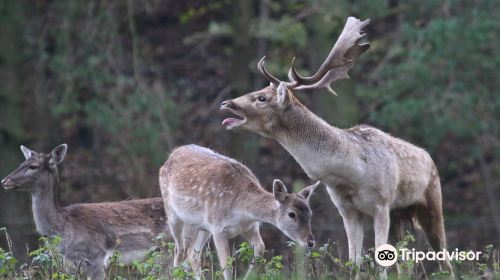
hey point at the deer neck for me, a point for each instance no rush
(260, 206)
(310, 140)
(46, 211)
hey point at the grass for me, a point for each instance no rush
(322, 263)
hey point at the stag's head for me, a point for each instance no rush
(34, 173)
(293, 217)
(263, 110)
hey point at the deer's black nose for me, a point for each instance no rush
(225, 103)
(4, 181)
(310, 241)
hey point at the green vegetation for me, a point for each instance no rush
(123, 82)
(322, 263)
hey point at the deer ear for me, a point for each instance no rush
(282, 95)
(27, 152)
(308, 191)
(57, 155)
(279, 190)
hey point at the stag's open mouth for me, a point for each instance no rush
(230, 123)
(9, 187)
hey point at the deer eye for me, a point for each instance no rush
(291, 215)
(33, 167)
(261, 98)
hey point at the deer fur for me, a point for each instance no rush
(90, 232)
(220, 197)
(368, 172)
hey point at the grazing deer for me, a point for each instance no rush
(92, 231)
(220, 197)
(368, 172)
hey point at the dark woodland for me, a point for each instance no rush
(125, 82)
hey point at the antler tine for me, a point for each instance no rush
(340, 60)
(292, 73)
(295, 76)
(262, 69)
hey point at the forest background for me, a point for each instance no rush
(125, 82)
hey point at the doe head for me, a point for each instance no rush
(293, 217)
(35, 172)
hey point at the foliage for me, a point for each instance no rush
(453, 54)
(123, 82)
(324, 263)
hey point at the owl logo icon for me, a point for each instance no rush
(386, 255)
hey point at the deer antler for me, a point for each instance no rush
(335, 67)
(262, 69)
(340, 60)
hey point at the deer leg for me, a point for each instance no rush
(188, 235)
(80, 259)
(75, 265)
(395, 236)
(353, 227)
(223, 252)
(253, 236)
(195, 251)
(401, 220)
(176, 228)
(354, 231)
(95, 270)
(430, 218)
(381, 223)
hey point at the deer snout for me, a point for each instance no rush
(310, 241)
(6, 183)
(226, 103)
(229, 104)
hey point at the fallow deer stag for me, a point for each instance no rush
(368, 172)
(92, 231)
(217, 196)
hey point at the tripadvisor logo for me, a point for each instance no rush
(387, 255)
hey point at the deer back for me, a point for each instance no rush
(199, 178)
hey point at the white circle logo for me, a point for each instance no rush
(386, 255)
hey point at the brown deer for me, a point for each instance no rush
(90, 232)
(220, 197)
(368, 172)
